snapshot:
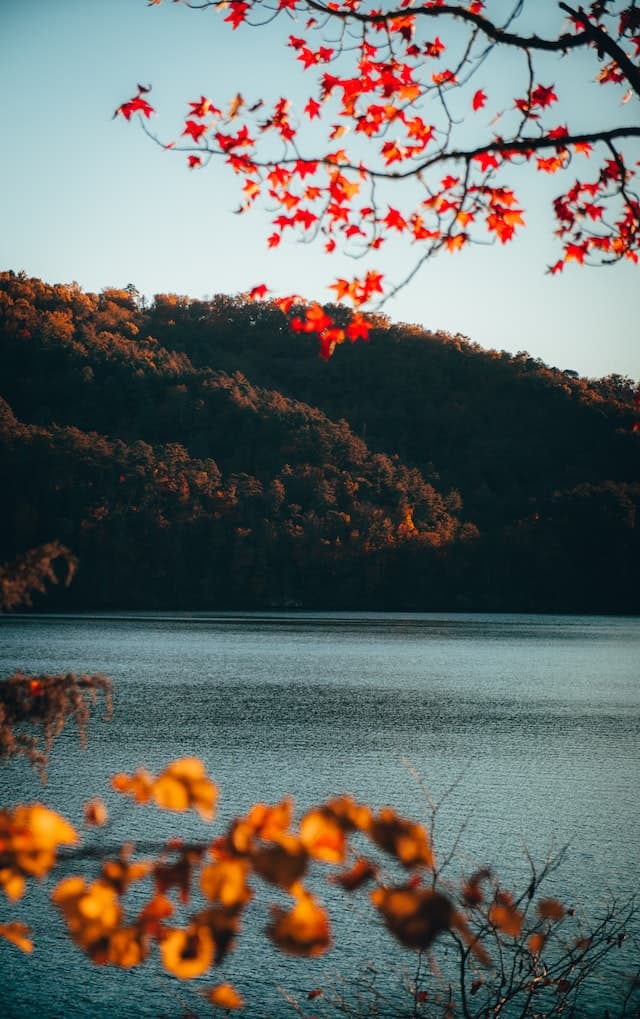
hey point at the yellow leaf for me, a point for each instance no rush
(92, 913)
(171, 793)
(47, 829)
(322, 836)
(204, 796)
(67, 890)
(181, 785)
(188, 768)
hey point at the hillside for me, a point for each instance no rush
(196, 454)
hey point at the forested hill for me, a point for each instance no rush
(198, 455)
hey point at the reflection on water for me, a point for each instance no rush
(535, 718)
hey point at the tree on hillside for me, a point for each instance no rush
(416, 119)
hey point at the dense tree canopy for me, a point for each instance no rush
(420, 120)
(189, 454)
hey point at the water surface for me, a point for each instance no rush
(533, 721)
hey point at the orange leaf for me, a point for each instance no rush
(282, 864)
(320, 833)
(127, 948)
(407, 841)
(414, 916)
(151, 917)
(187, 953)
(95, 813)
(506, 917)
(17, 933)
(456, 242)
(138, 786)
(361, 872)
(550, 909)
(303, 930)
(224, 996)
(226, 883)
(472, 891)
(536, 943)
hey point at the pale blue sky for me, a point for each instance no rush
(90, 199)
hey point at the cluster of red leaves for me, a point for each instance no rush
(581, 219)
(389, 81)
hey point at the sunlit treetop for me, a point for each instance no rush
(415, 121)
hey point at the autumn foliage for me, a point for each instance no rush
(190, 455)
(35, 709)
(191, 897)
(31, 572)
(412, 128)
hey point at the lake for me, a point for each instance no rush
(528, 724)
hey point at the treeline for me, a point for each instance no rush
(197, 455)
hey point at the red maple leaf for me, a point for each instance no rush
(487, 161)
(203, 107)
(305, 168)
(435, 48)
(449, 182)
(194, 161)
(286, 303)
(135, 105)
(312, 109)
(561, 131)
(394, 220)
(444, 78)
(479, 100)
(194, 130)
(577, 252)
(257, 292)
(358, 329)
(373, 283)
(543, 95)
(237, 13)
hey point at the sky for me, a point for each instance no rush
(88, 198)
